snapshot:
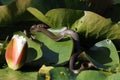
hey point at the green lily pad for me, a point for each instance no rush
(104, 53)
(114, 77)
(92, 24)
(9, 74)
(54, 52)
(61, 73)
(57, 17)
(93, 28)
(43, 73)
(63, 17)
(113, 69)
(39, 15)
(96, 26)
(91, 75)
(58, 73)
(12, 11)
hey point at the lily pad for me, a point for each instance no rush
(12, 11)
(39, 15)
(96, 26)
(57, 17)
(63, 17)
(114, 77)
(91, 75)
(61, 73)
(93, 28)
(105, 53)
(54, 52)
(9, 74)
(43, 73)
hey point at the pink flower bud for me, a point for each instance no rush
(16, 52)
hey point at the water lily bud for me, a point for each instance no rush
(16, 52)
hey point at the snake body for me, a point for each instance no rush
(71, 33)
(75, 37)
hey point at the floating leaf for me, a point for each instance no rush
(113, 69)
(44, 72)
(92, 24)
(61, 73)
(45, 69)
(91, 75)
(105, 53)
(93, 28)
(9, 74)
(54, 52)
(114, 77)
(63, 17)
(39, 15)
(11, 11)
